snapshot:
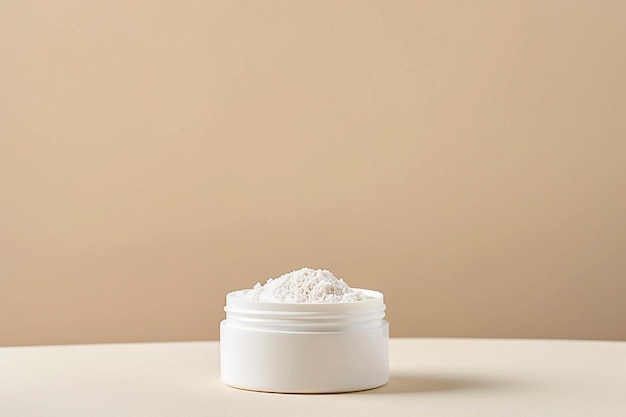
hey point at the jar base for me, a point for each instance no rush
(305, 392)
(303, 362)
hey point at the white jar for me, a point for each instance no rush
(305, 347)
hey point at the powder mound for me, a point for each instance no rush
(305, 285)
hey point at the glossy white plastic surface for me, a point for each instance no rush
(305, 348)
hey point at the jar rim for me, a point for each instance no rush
(233, 300)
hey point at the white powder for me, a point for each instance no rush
(305, 285)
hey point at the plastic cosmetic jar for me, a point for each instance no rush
(305, 347)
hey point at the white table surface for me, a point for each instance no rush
(430, 377)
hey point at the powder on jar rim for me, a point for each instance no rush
(305, 285)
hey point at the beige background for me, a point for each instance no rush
(465, 158)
